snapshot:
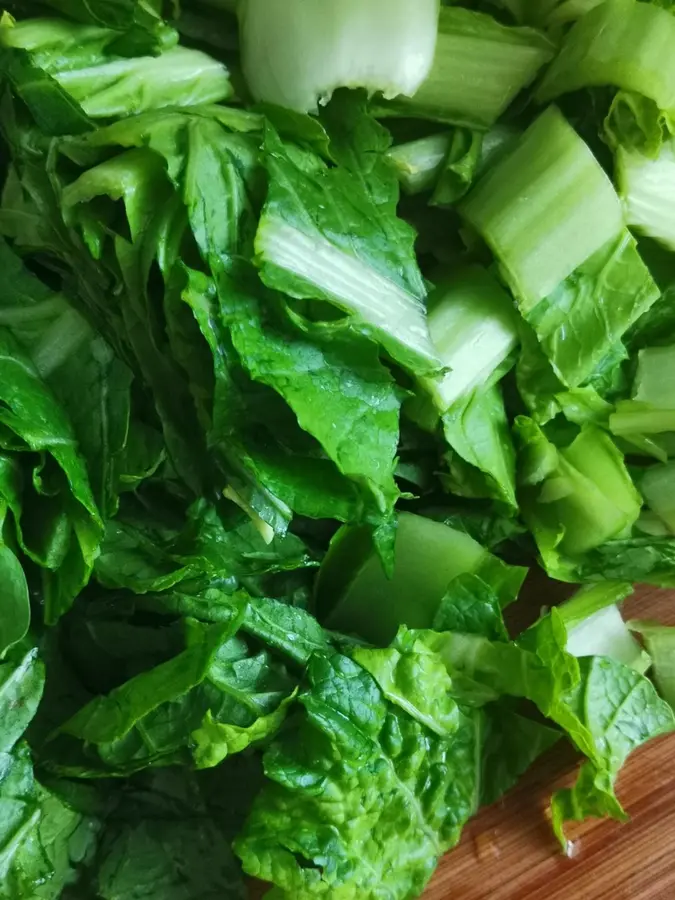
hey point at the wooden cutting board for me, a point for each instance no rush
(508, 851)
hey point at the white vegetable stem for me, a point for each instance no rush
(295, 53)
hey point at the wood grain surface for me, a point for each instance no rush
(508, 851)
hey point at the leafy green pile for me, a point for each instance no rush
(276, 441)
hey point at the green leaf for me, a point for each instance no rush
(477, 431)
(21, 686)
(165, 859)
(574, 498)
(580, 321)
(357, 426)
(215, 741)
(487, 526)
(288, 629)
(140, 26)
(140, 553)
(131, 557)
(512, 742)
(415, 679)
(621, 710)
(32, 414)
(42, 838)
(85, 61)
(213, 699)
(606, 708)
(638, 558)
(54, 111)
(122, 87)
(91, 383)
(109, 718)
(56, 842)
(302, 248)
(15, 610)
(621, 43)
(352, 767)
(471, 606)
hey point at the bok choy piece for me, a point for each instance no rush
(448, 163)
(658, 488)
(481, 458)
(652, 409)
(370, 272)
(296, 53)
(660, 643)
(83, 61)
(355, 596)
(555, 223)
(647, 188)
(419, 163)
(474, 327)
(605, 708)
(574, 498)
(624, 44)
(479, 68)
(595, 626)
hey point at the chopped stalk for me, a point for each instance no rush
(622, 43)
(297, 53)
(595, 626)
(474, 327)
(355, 595)
(571, 208)
(479, 68)
(655, 379)
(658, 488)
(419, 163)
(660, 643)
(647, 187)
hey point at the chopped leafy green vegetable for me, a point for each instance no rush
(646, 188)
(574, 498)
(574, 269)
(371, 272)
(592, 699)
(622, 43)
(383, 47)
(277, 443)
(595, 626)
(660, 643)
(354, 593)
(479, 67)
(474, 327)
(82, 60)
(379, 762)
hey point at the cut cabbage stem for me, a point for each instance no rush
(296, 53)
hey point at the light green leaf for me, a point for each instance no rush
(353, 768)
